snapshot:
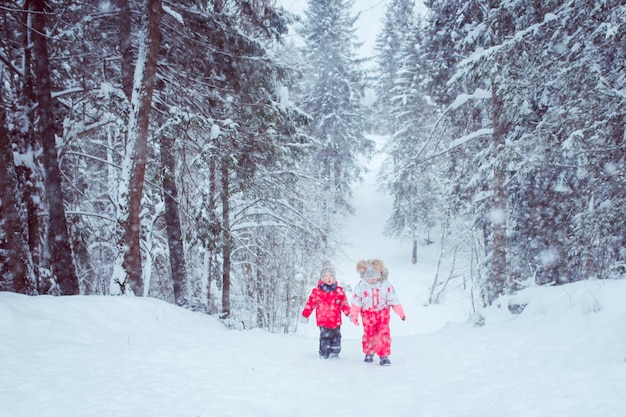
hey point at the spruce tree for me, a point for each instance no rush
(333, 89)
(396, 33)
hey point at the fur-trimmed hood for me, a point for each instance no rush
(371, 268)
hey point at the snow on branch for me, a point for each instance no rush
(519, 36)
(461, 99)
(462, 140)
(67, 91)
(91, 214)
(10, 65)
(487, 131)
(174, 14)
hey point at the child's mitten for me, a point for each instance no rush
(354, 314)
(399, 311)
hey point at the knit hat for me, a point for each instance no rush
(327, 268)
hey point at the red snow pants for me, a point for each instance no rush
(376, 332)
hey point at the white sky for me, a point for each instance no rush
(369, 24)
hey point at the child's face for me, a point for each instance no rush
(328, 278)
(371, 280)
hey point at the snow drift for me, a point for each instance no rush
(121, 356)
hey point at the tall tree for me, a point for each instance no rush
(172, 219)
(16, 265)
(61, 257)
(411, 114)
(332, 97)
(125, 47)
(498, 281)
(19, 104)
(134, 168)
(240, 129)
(535, 175)
(391, 43)
(227, 245)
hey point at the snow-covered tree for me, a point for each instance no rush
(61, 258)
(533, 173)
(411, 115)
(573, 176)
(332, 93)
(391, 43)
(16, 264)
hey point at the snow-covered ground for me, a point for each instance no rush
(119, 356)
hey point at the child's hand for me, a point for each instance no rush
(354, 314)
(399, 311)
(304, 320)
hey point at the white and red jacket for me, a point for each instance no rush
(375, 297)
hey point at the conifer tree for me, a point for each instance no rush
(333, 89)
(61, 256)
(410, 184)
(391, 42)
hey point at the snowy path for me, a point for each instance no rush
(125, 357)
(141, 357)
(364, 238)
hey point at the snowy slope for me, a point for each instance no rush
(113, 356)
(141, 357)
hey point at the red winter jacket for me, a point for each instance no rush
(328, 303)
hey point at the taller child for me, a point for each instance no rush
(373, 296)
(328, 300)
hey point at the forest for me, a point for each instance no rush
(192, 151)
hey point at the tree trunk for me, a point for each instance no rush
(498, 267)
(414, 251)
(227, 243)
(61, 258)
(437, 270)
(31, 181)
(172, 221)
(259, 290)
(126, 48)
(16, 267)
(214, 231)
(130, 200)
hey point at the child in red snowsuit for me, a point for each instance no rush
(328, 300)
(373, 296)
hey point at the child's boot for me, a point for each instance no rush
(369, 358)
(384, 361)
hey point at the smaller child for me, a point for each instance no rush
(373, 296)
(328, 300)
